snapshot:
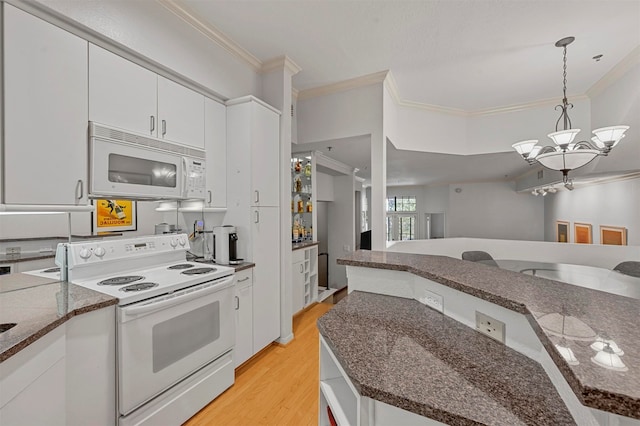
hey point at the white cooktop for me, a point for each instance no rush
(147, 258)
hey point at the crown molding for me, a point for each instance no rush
(281, 62)
(213, 34)
(342, 86)
(615, 73)
(524, 106)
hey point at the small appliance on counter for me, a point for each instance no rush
(165, 228)
(225, 245)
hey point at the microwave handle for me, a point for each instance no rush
(185, 174)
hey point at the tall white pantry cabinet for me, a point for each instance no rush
(253, 205)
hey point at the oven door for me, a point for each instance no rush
(163, 340)
(128, 170)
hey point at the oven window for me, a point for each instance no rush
(184, 334)
(139, 171)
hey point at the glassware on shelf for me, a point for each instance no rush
(307, 168)
(300, 206)
(298, 166)
(309, 207)
(298, 184)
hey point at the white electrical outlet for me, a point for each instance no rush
(431, 299)
(490, 326)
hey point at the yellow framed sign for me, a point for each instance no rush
(114, 216)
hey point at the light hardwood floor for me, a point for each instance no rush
(279, 386)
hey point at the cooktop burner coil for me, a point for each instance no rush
(128, 279)
(138, 287)
(198, 271)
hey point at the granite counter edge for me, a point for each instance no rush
(592, 397)
(22, 344)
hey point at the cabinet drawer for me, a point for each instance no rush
(297, 256)
(244, 277)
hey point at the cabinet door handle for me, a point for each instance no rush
(164, 127)
(152, 124)
(257, 196)
(210, 196)
(257, 219)
(79, 190)
(237, 302)
(243, 280)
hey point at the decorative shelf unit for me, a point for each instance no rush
(337, 393)
(305, 277)
(303, 197)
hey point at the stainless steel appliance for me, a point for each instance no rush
(175, 323)
(164, 228)
(128, 165)
(225, 245)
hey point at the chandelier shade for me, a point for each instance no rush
(569, 160)
(566, 154)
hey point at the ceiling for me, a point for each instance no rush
(463, 54)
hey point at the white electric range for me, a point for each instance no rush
(175, 322)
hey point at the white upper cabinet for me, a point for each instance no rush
(125, 95)
(45, 112)
(254, 129)
(121, 93)
(180, 114)
(215, 133)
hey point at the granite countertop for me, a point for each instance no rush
(39, 305)
(303, 244)
(24, 257)
(405, 354)
(589, 314)
(239, 267)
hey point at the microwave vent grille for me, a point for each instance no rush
(98, 130)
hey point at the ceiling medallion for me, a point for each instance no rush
(567, 155)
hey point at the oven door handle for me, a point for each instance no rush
(176, 299)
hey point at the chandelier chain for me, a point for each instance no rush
(564, 74)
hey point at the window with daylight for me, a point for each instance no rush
(402, 219)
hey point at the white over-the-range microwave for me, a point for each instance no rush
(132, 166)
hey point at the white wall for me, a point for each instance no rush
(341, 225)
(579, 254)
(609, 204)
(494, 210)
(480, 210)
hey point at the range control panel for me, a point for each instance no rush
(90, 252)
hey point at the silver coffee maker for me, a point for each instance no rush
(225, 245)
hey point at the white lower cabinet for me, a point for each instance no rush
(32, 383)
(297, 285)
(243, 349)
(66, 377)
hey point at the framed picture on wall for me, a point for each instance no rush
(114, 216)
(582, 233)
(613, 235)
(562, 231)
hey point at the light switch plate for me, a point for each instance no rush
(490, 326)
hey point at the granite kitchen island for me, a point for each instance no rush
(395, 353)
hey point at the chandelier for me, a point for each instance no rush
(567, 155)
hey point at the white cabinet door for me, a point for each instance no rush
(265, 156)
(243, 349)
(32, 383)
(297, 284)
(215, 133)
(181, 114)
(45, 112)
(265, 234)
(122, 94)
